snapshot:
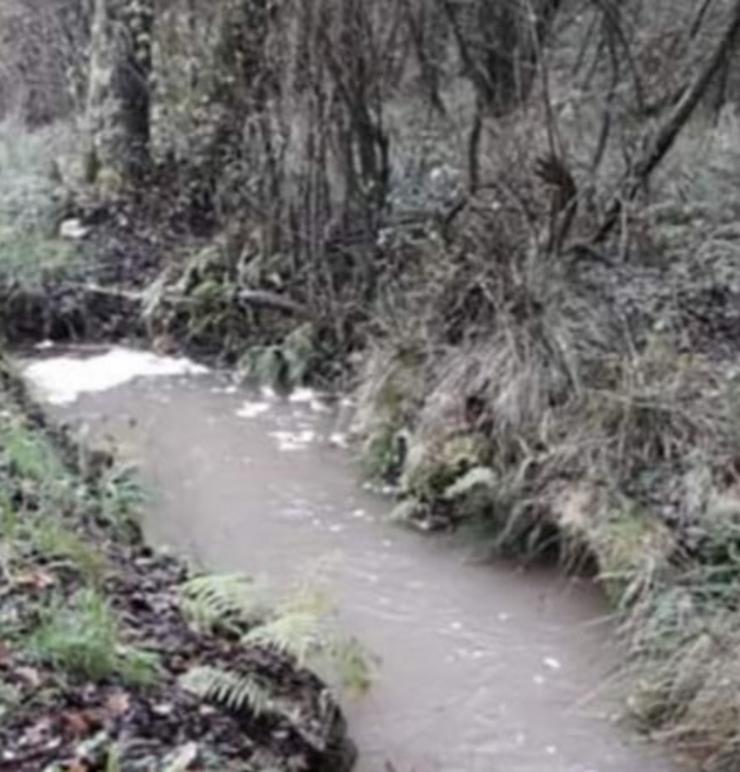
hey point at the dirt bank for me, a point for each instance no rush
(111, 655)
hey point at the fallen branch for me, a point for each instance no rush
(266, 299)
(255, 298)
(135, 296)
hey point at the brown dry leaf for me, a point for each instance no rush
(38, 580)
(77, 723)
(117, 704)
(30, 675)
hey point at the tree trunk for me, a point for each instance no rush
(499, 45)
(119, 96)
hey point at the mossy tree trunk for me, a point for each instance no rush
(119, 88)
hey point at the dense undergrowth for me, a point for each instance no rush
(558, 374)
(558, 406)
(48, 274)
(588, 409)
(113, 658)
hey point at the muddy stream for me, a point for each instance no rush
(483, 668)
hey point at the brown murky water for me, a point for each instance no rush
(483, 668)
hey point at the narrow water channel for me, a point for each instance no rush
(483, 668)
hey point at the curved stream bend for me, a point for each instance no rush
(483, 668)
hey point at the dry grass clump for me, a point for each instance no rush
(566, 423)
(684, 639)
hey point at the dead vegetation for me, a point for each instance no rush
(512, 227)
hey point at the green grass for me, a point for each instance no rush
(31, 258)
(27, 454)
(82, 639)
(30, 201)
(49, 517)
(54, 541)
(38, 495)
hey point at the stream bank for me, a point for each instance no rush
(99, 637)
(584, 409)
(481, 667)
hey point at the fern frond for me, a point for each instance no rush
(232, 690)
(315, 643)
(299, 634)
(306, 598)
(301, 626)
(352, 664)
(228, 599)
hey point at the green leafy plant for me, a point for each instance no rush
(82, 638)
(118, 494)
(302, 626)
(56, 542)
(27, 454)
(234, 691)
(224, 601)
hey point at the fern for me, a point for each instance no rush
(299, 634)
(301, 626)
(352, 664)
(304, 628)
(234, 691)
(233, 601)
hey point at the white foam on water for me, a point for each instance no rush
(302, 395)
(289, 441)
(340, 441)
(61, 380)
(252, 409)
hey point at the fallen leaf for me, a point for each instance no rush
(77, 723)
(117, 704)
(38, 580)
(30, 675)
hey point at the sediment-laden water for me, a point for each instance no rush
(483, 668)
